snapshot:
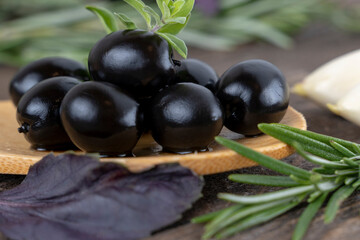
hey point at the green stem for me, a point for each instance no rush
(276, 181)
(267, 197)
(346, 172)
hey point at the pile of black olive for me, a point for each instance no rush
(136, 86)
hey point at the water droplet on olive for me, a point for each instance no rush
(38, 114)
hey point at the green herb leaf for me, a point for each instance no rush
(301, 180)
(276, 181)
(342, 149)
(240, 214)
(140, 7)
(220, 218)
(173, 28)
(307, 216)
(350, 162)
(356, 148)
(323, 171)
(154, 14)
(256, 219)
(167, 12)
(106, 17)
(176, 43)
(317, 136)
(185, 10)
(356, 184)
(161, 6)
(327, 186)
(340, 179)
(346, 172)
(318, 160)
(313, 196)
(350, 180)
(309, 144)
(335, 201)
(128, 23)
(180, 20)
(264, 160)
(178, 5)
(171, 6)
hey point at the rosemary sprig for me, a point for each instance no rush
(336, 178)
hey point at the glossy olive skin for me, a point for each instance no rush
(38, 114)
(252, 92)
(99, 117)
(136, 60)
(42, 69)
(185, 117)
(195, 71)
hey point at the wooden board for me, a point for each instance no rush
(16, 156)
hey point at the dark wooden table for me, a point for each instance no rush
(313, 47)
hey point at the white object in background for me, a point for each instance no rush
(330, 82)
(348, 106)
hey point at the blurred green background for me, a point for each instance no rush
(32, 29)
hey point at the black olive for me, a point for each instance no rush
(38, 114)
(252, 92)
(195, 71)
(99, 117)
(136, 60)
(185, 117)
(41, 69)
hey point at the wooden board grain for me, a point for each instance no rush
(16, 156)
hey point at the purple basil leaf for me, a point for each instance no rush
(77, 197)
